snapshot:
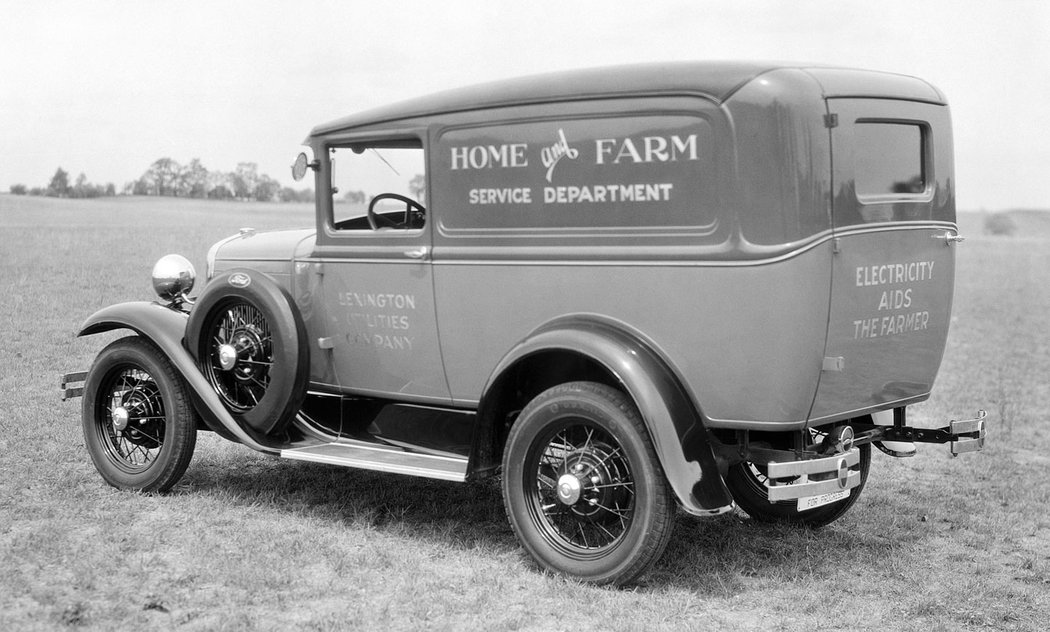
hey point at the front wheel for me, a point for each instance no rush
(139, 425)
(750, 488)
(582, 486)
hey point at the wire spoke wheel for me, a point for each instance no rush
(583, 487)
(132, 418)
(249, 340)
(240, 355)
(139, 426)
(583, 492)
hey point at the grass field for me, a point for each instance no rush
(249, 542)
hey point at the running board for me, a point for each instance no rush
(383, 459)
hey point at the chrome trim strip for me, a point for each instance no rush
(676, 259)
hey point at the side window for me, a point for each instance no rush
(890, 178)
(378, 185)
(889, 160)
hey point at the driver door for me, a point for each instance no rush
(374, 273)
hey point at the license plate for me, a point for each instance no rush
(819, 501)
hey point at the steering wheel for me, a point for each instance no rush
(413, 210)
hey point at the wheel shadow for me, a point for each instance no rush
(707, 556)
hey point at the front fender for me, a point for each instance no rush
(679, 436)
(165, 327)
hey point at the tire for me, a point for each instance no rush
(748, 485)
(139, 425)
(250, 343)
(582, 485)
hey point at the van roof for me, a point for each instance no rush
(713, 80)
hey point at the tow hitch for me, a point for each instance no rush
(963, 436)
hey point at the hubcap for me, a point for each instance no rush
(569, 489)
(120, 417)
(227, 357)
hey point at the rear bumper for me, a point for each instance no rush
(794, 476)
(792, 480)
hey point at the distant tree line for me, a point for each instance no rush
(60, 187)
(166, 177)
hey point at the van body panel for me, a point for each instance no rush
(763, 368)
(891, 307)
(894, 269)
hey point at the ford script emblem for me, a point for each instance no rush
(240, 279)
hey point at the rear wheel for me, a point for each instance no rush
(139, 425)
(582, 485)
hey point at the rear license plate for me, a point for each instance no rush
(819, 501)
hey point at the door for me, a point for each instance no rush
(374, 273)
(893, 270)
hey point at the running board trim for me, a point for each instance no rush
(383, 459)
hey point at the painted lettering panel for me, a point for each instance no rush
(652, 172)
(890, 310)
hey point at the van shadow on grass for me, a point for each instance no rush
(716, 556)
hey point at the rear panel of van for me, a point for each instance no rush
(893, 269)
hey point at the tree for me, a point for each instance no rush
(418, 186)
(356, 197)
(288, 194)
(265, 188)
(18, 189)
(194, 179)
(59, 186)
(81, 189)
(244, 179)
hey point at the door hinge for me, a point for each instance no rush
(831, 120)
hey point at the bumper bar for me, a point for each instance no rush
(73, 385)
(792, 480)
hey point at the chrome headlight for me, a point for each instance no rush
(173, 277)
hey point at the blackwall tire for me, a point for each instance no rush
(139, 425)
(748, 486)
(250, 343)
(582, 485)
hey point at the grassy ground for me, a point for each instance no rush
(251, 542)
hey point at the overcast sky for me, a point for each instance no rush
(107, 87)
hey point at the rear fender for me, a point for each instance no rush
(165, 327)
(682, 442)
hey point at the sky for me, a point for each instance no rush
(106, 87)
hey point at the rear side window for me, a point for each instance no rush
(889, 160)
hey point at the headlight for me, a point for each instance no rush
(173, 277)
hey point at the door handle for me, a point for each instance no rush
(949, 238)
(417, 253)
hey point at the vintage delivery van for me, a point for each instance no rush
(623, 290)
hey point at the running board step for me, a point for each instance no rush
(383, 459)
